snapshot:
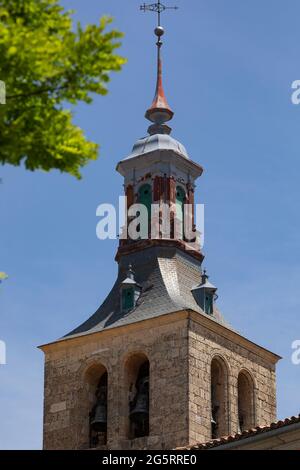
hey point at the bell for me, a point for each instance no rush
(99, 420)
(214, 422)
(140, 406)
(241, 423)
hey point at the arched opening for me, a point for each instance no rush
(137, 386)
(145, 198)
(179, 204)
(219, 398)
(96, 377)
(246, 416)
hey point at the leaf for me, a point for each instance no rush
(47, 63)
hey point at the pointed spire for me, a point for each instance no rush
(130, 272)
(159, 112)
(204, 277)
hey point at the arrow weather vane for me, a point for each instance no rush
(157, 8)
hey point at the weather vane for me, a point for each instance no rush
(157, 8)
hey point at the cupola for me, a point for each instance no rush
(205, 294)
(130, 291)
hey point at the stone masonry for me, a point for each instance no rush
(180, 347)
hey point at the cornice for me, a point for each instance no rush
(178, 316)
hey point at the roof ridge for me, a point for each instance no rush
(243, 435)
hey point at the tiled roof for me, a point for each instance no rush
(166, 276)
(244, 435)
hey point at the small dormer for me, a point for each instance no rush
(130, 291)
(205, 294)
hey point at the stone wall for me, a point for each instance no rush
(69, 394)
(204, 345)
(180, 348)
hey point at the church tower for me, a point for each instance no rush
(157, 366)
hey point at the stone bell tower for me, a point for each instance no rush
(156, 366)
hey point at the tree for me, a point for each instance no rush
(3, 276)
(46, 64)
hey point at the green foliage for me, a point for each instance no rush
(46, 63)
(3, 276)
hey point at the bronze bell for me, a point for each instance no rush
(99, 420)
(214, 421)
(140, 406)
(241, 423)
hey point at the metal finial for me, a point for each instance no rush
(130, 272)
(204, 276)
(159, 112)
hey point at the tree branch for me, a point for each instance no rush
(37, 92)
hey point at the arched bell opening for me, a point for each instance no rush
(219, 398)
(246, 412)
(137, 385)
(96, 377)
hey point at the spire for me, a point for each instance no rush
(130, 273)
(159, 112)
(204, 277)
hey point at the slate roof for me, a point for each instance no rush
(244, 435)
(166, 275)
(207, 285)
(152, 143)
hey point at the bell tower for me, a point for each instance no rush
(156, 366)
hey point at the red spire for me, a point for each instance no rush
(159, 111)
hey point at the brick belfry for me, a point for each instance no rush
(157, 366)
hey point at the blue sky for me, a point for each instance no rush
(228, 69)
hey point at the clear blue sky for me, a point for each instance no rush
(228, 66)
